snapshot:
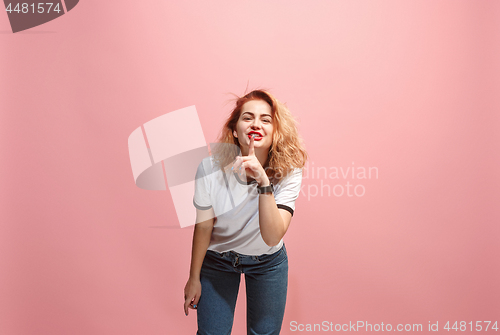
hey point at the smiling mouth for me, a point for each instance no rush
(256, 138)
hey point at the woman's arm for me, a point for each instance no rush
(273, 221)
(201, 240)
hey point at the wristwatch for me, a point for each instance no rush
(266, 189)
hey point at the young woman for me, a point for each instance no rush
(245, 199)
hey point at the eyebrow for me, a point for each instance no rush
(253, 114)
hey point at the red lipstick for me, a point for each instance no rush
(257, 136)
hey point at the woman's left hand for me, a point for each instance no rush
(250, 166)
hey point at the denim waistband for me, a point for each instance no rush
(234, 255)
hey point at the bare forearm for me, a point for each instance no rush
(271, 223)
(201, 241)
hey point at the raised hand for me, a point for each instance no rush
(250, 166)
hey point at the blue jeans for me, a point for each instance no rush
(266, 278)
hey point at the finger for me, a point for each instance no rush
(242, 170)
(236, 164)
(247, 158)
(251, 151)
(188, 304)
(196, 301)
(239, 167)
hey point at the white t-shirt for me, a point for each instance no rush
(236, 207)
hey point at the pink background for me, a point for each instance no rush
(409, 87)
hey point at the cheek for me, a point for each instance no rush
(270, 131)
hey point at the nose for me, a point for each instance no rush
(256, 124)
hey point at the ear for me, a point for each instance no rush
(235, 133)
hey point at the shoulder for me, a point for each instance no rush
(294, 175)
(292, 181)
(206, 165)
(208, 169)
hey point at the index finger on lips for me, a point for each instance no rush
(251, 151)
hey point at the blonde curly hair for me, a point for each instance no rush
(287, 151)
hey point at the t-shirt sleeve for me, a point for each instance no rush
(201, 198)
(287, 190)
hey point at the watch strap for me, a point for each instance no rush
(266, 189)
